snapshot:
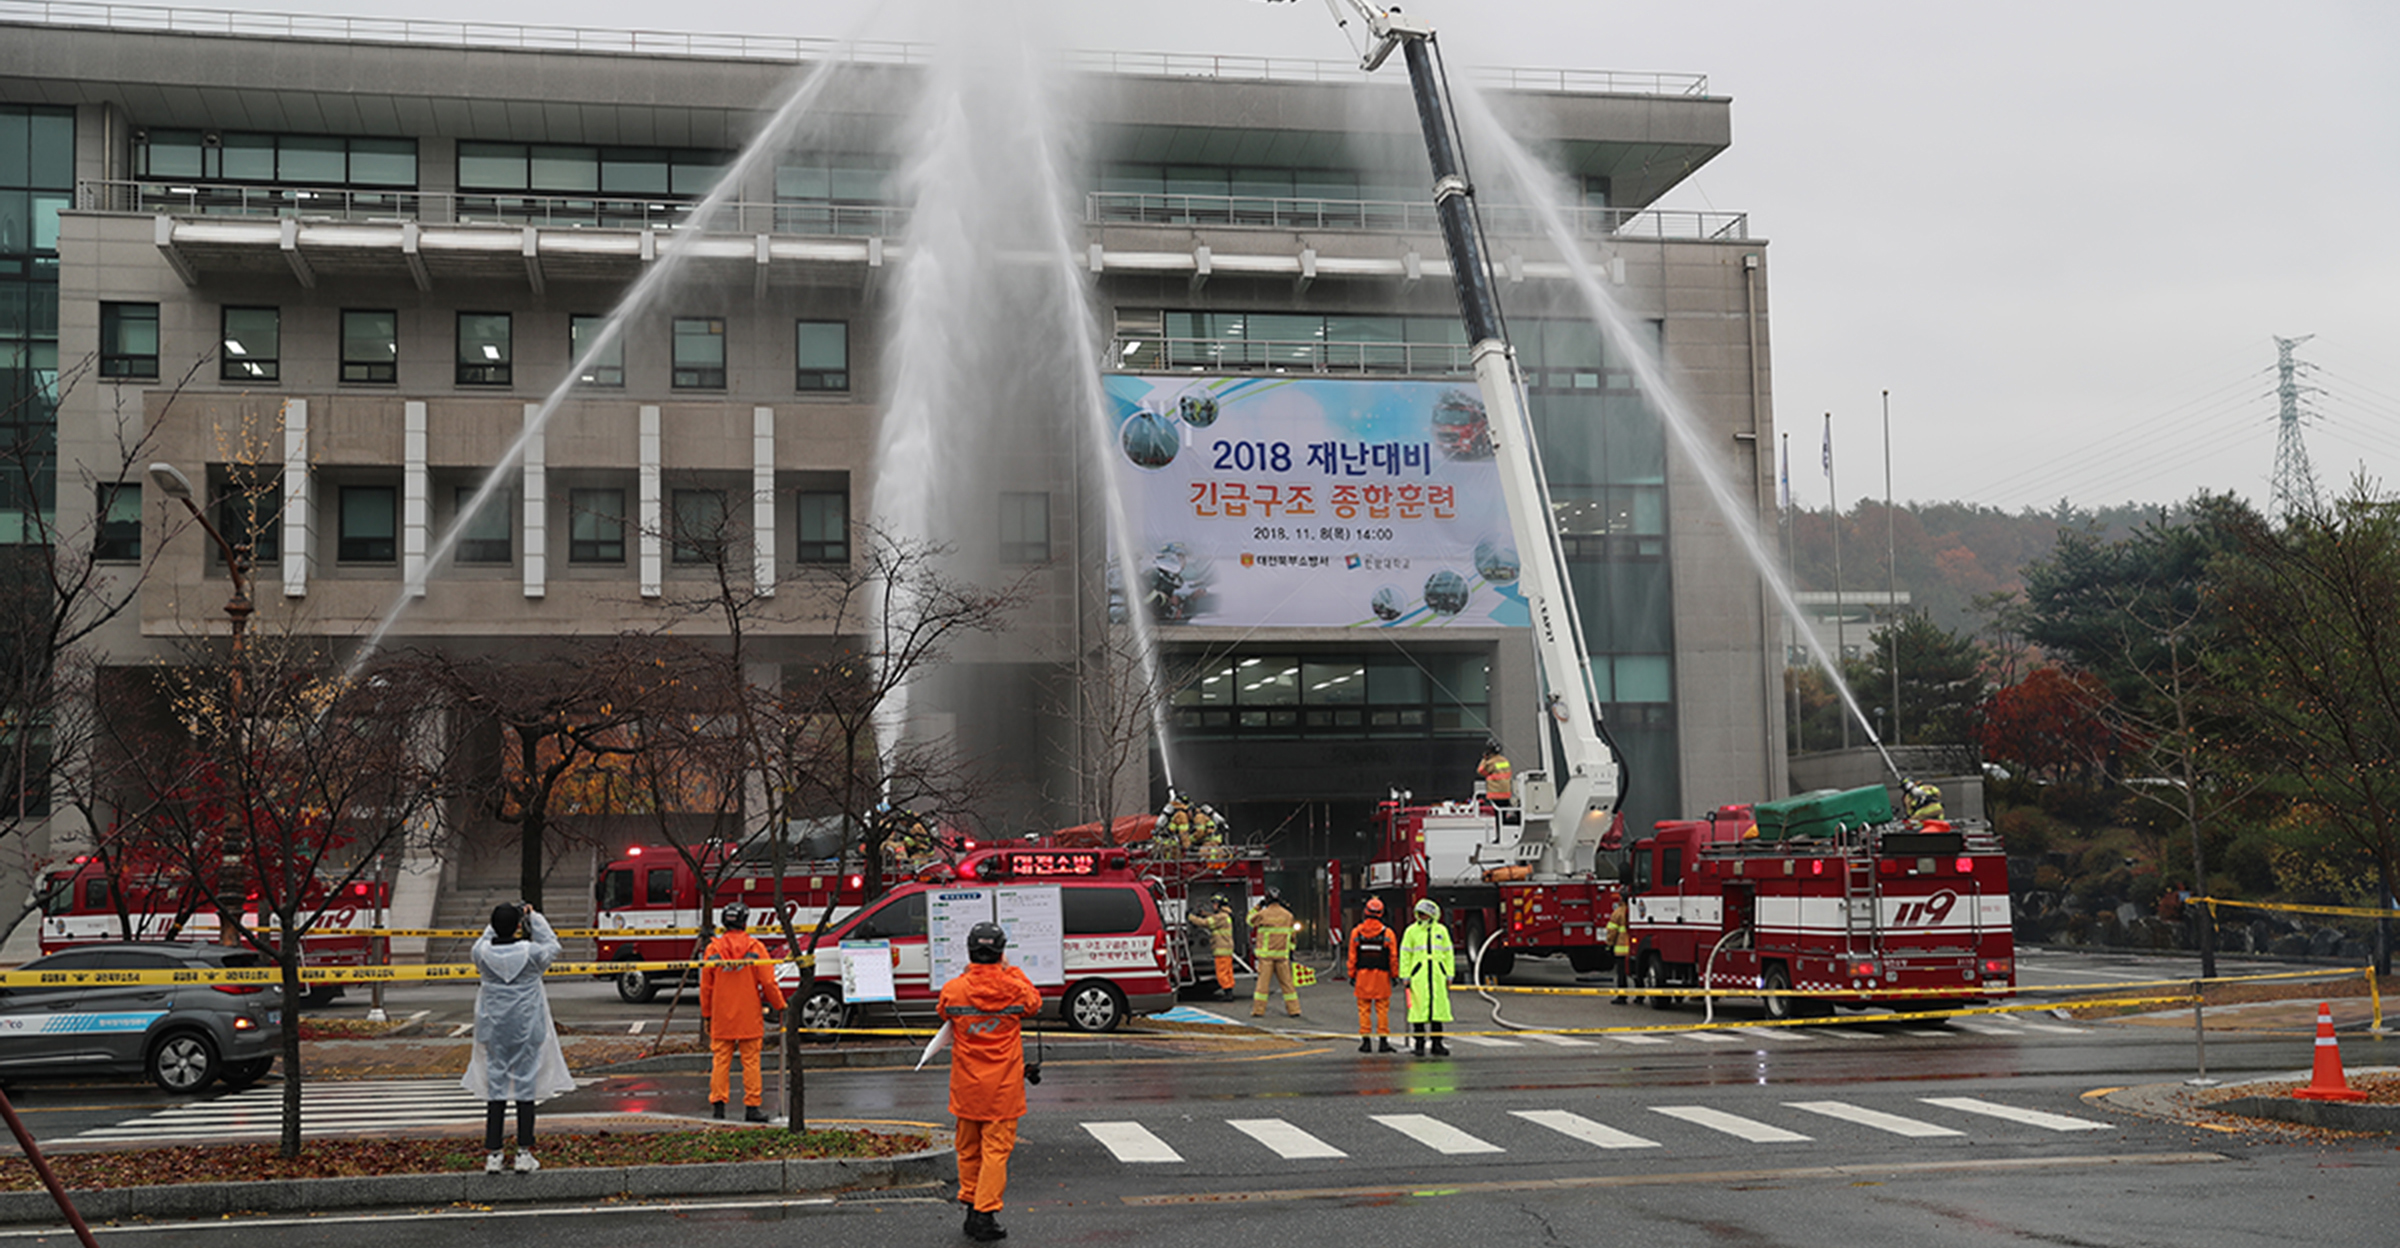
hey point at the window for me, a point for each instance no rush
(129, 340)
(596, 526)
(250, 515)
(119, 539)
(1024, 528)
(605, 367)
(824, 526)
(699, 353)
(371, 347)
(824, 356)
(616, 889)
(485, 538)
(253, 345)
(700, 535)
(661, 884)
(483, 349)
(370, 524)
(902, 918)
(1099, 911)
(1337, 695)
(299, 159)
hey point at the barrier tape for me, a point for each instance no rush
(1899, 994)
(563, 933)
(329, 974)
(2355, 912)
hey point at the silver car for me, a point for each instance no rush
(181, 1036)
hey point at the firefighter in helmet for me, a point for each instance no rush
(1499, 786)
(984, 1008)
(1426, 967)
(1271, 945)
(1371, 958)
(1924, 801)
(1173, 835)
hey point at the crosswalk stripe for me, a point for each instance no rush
(1579, 1127)
(324, 1109)
(1731, 1124)
(1634, 1038)
(2056, 1029)
(1564, 1042)
(1708, 1037)
(1131, 1141)
(1985, 1027)
(2010, 1113)
(1487, 1042)
(1913, 1128)
(1843, 1034)
(1931, 1033)
(1435, 1134)
(1770, 1033)
(1288, 1141)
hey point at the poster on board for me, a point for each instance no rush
(949, 914)
(867, 971)
(1031, 914)
(1312, 502)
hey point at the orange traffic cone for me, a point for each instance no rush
(2327, 1082)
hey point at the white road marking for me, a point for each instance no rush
(1435, 1134)
(1131, 1141)
(1708, 1037)
(1288, 1141)
(2010, 1113)
(1564, 1042)
(1632, 1037)
(1913, 1128)
(1731, 1124)
(1772, 1033)
(1579, 1127)
(1486, 1042)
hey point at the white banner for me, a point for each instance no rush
(1312, 502)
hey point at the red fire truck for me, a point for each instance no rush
(89, 901)
(1867, 905)
(653, 891)
(1468, 856)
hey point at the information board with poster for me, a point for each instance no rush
(1310, 501)
(867, 971)
(1032, 915)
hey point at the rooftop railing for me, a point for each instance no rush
(827, 219)
(515, 36)
(1145, 353)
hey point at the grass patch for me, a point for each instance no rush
(329, 1159)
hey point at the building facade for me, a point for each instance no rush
(331, 271)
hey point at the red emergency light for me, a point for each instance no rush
(634, 852)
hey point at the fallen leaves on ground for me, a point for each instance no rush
(2251, 992)
(326, 1159)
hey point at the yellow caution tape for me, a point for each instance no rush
(2355, 912)
(563, 933)
(326, 974)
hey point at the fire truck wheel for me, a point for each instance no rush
(1588, 961)
(1094, 1005)
(1781, 1008)
(636, 987)
(1654, 977)
(183, 1061)
(239, 1075)
(823, 1009)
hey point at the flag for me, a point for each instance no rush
(1784, 488)
(1829, 446)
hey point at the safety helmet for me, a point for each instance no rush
(735, 916)
(1491, 745)
(1274, 896)
(1375, 907)
(1426, 909)
(985, 942)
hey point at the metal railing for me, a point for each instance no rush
(1399, 216)
(211, 199)
(153, 18)
(1148, 353)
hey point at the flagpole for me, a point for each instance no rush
(1891, 571)
(1840, 634)
(1791, 572)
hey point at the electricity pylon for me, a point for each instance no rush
(2295, 486)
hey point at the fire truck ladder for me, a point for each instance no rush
(1859, 900)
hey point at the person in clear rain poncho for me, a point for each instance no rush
(517, 1057)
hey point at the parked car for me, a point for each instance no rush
(181, 1036)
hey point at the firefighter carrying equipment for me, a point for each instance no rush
(1924, 800)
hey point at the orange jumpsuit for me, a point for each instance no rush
(731, 997)
(983, 1007)
(1373, 985)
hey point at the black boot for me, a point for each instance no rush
(1416, 1040)
(1365, 1045)
(1439, 1049)
(716, 1110)
(1384, 1045)
(983, 1228)
(754, 1114)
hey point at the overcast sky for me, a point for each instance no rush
(2062, 233)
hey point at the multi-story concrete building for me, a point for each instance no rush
(367, 251)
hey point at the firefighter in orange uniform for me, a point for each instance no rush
(1499, 781)
(734, 999)
(984, 1008)
(1371, 978)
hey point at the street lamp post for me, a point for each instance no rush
(171, 482)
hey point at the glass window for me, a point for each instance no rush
(383, 162)
(370, 524)
(246, 157)
(371, 347)
(700, 526)
(172, 154)
(699, 353)
(1644, 678)
(595, 526)
(823, 356)
(554, 168)
(661, 884)
(1024, 528)
(634, 171)
(119, 535)
(129, 340)
(1269, 681)
(253, 345)
(1100, 911)
(483, 349)
(616, 889)
(250, 515)
(311, 160)
(901, 918)
(487, 537)
(1333, 684)
(604, 367)
(824, 526)
(491, 166)
(696, 173)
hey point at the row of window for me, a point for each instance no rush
(701, 525)
(486, 348)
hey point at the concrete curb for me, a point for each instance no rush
(2333, 1115)
(212, 1200)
